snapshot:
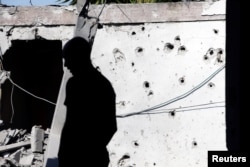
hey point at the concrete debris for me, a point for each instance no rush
(3, 162)
(26, 160)
(3, 136)
(37, 138)
(16, 155)
(14, 146)
(20, 148)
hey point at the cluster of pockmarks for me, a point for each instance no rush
(169, 47)
(216, 55)
(147, 87)
(133, 33)
(119, 56)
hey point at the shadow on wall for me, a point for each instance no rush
(36, 66)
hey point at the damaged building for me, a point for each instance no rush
(160, 62)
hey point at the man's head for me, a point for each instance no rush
(76, 53)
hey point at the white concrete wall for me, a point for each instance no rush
(162, 139)
(130, 55)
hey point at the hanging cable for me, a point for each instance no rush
(193, 106)
(176, 98)
(8, 77)
(101, 9)
(11, 102)
(40, 98)
(181, 110)
(123, 13)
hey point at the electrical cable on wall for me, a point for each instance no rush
(182, 110)
(176, 98)
(11, 102)
(148, 111)
(6, 75)
(188, 108)
(102, 9)
(193, 106)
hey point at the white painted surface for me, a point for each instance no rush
(162, 139)
(215, 8)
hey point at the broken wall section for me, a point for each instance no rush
(28, 40)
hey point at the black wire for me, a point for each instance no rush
(182, 96)
(166, 112)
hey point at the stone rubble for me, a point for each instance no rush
(20, 148)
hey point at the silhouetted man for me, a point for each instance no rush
(90, 101)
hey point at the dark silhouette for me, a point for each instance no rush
(90, 101)
(235, 117)
(36, 66)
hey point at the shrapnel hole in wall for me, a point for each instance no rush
(182, 50)
(172, 113)
(220, 51)
(211, 52)
(211, 85)
(139, 51)
(135, 143)
(194, 144)
(216, 31)
(150, 93)
(122, 160)
(177, 38)
(168, 47)
(205, 57)
(132, 64)
(118, 55)
(182, 80)
(146, 84)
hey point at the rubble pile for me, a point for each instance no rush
(19, 148)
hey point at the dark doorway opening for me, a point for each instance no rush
(36, 66)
